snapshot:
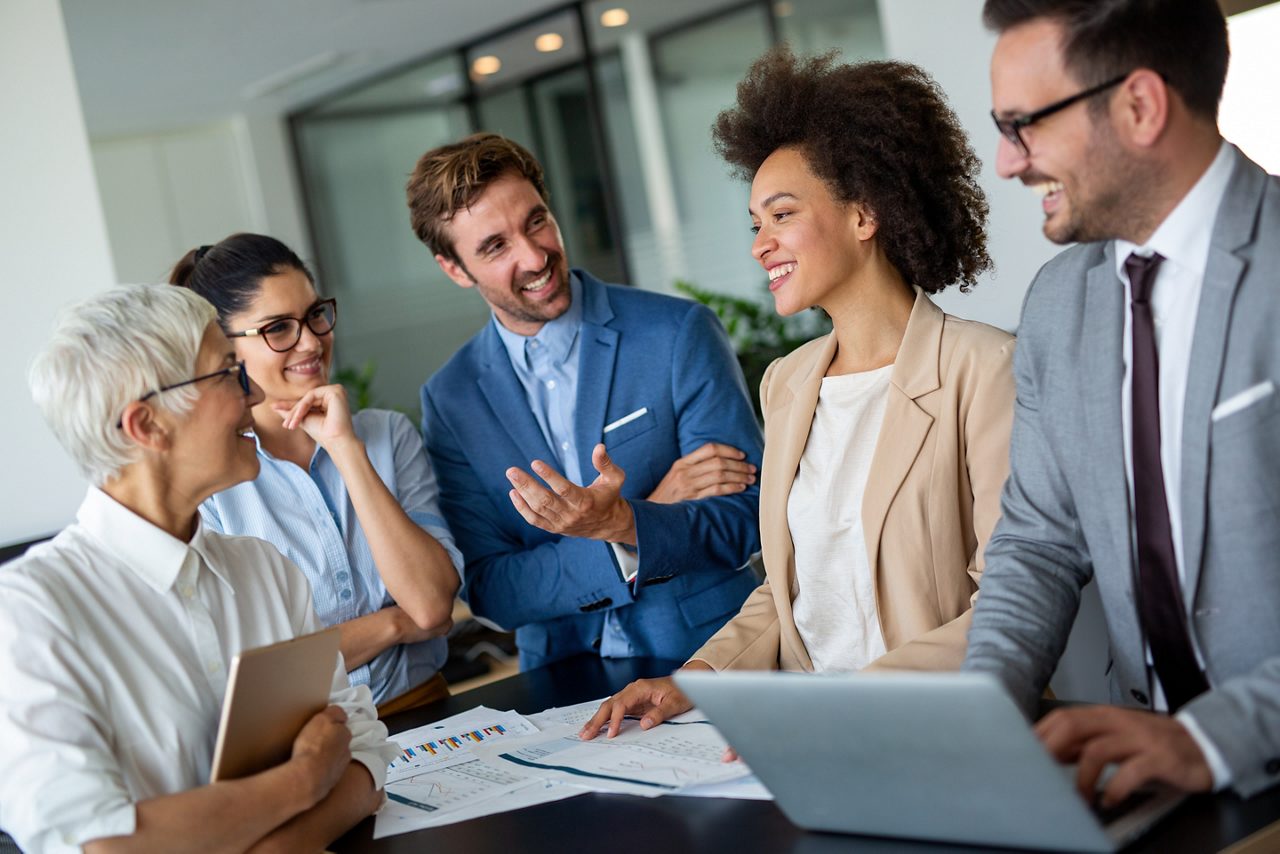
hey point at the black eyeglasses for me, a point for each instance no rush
(284, 333)
(1011, 129)
(238, 369)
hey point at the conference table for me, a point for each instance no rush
(621, 824)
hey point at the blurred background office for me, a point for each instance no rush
(136, 129)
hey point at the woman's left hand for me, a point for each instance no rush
(323, 413)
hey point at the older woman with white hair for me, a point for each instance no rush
(115, 637)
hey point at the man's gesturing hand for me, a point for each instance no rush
(1147, 747)
(596, 512)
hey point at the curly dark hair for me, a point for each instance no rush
(877, 133)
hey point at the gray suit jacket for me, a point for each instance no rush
(1066, 503)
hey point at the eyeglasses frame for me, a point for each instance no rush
(301, 321)
(1011, 129)
(238, 369)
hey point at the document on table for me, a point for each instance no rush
(649, 763)
(449, 742)
(436, 780)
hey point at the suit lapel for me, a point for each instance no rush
(782, 451)
(598, 350)
(915, 374)
(1224, 269)
(508, 403)
(1100, 382)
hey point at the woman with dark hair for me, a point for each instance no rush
(886, 442)
(351, 499)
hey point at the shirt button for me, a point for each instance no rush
(551, 383)
(343, 575)
(564, 446)
(187, 591)
(213, 667)
(344, 595)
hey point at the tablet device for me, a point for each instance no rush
(272, 692)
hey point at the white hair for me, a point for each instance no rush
(108, 351)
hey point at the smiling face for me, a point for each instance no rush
(283, 376)
(209, 450)
(1076, 163)
(811, 244)
(511, 251)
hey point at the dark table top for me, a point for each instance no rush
(621, 824)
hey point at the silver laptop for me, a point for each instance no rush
(937, 756)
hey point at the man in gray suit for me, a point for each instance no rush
(1146, 442)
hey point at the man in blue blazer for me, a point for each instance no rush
(629, 408)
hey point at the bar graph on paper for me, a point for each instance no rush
(450, 742)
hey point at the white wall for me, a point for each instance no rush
(164, 193)
(53, 250)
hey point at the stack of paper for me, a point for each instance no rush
(485, 761)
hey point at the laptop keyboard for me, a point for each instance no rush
(1107, 815)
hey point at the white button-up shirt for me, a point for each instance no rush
(1183, 240)
(115, 639)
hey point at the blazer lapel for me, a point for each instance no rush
(1102, 377)
(1223, 272)
(782, 451)
(598, 350)
(597, 353)
(915, 374)
(508, 403)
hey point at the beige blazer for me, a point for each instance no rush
(932, 495)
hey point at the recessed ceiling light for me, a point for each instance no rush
(783, 8)
(614, 17)
(486, 65)
(549, 42)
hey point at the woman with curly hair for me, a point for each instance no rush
(887, 441)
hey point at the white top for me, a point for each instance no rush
(834, 595)
(115, 640)
(1183, 240)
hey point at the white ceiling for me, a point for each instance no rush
(151, 65)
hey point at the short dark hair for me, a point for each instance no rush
(876, 133)
(450, 178)
(229, 273)
(1185, 41)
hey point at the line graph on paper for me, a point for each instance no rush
(455, 786)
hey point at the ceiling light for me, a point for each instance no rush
(549, 42)
(614, 17)
(486, 65)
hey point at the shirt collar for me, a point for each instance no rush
(556, 335)
(1183, 238)
(148, 552)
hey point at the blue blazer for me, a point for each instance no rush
(638, 350)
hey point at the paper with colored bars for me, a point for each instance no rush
(449, 742)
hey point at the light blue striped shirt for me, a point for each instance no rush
(546, 365)
(308, 515)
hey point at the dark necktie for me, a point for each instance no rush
(1160, 602)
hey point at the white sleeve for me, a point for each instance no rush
(369, 744)
(60, 782)
(1212, 756)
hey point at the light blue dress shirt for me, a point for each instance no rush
(546, 365)
(308, 515)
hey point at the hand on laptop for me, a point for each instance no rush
(322, 752)
(1146, 747)
(597, 512)
(712, 469)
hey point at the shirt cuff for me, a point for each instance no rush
(1222, 776)
(628, 561)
